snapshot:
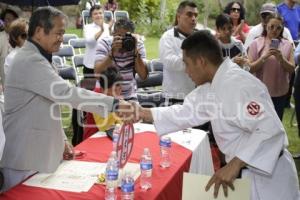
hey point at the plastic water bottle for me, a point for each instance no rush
(116, 133)
(114, 155)
(165, 146)
(127, 187)
(146, 170)
(111, 179)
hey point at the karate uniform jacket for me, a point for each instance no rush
(245, 125)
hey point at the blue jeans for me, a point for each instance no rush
(279, 104)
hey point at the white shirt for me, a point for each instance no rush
(9, 58)
(176, 83)
(2, 136)
(257, 30)
(5, 48)
(245, 125)
(90, 31)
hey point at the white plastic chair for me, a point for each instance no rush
(121, 14)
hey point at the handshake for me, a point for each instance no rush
(131, 112)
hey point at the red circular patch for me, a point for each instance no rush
(253, 108)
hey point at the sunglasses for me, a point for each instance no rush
(265, 15)
(235, 10)
(24, 35)
(274, 27)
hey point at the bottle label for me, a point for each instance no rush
(164, 143)
(115, 138)
(146, 166)
(112, 175)
(127, 187)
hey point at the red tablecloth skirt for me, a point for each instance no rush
(166, 183)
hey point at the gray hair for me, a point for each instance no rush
(43, 17)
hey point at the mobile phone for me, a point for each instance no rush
(274, 43)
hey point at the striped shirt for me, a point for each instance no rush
(124, 62)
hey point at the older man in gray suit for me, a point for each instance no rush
(35, 140)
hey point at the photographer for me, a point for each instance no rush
(125, 52)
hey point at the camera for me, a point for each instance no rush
(128, 42)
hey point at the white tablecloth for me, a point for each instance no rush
(196, 141)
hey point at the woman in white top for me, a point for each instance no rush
(17, 36)
(92, 33)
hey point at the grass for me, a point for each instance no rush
(151, 45)
(292, 131)
(78, 32)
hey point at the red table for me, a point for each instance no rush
(166, 183)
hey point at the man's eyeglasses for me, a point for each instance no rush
(274, 27)
(235, 10)
(24, 36)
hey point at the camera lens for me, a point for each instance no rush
(128, 43)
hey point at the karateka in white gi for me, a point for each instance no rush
(2, 137)
(244, 122)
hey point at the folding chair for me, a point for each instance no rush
(108, 16)
(65, 51)
(77, 61)
(154, 79)
(148, 65)
(156, 65)
(85, 14)
(77, 43)
(57, 61)
(68, 73)
(68, 36)
(151, 100)
(121, 14)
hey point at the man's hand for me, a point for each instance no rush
(277, 53)
(110, 25)
(68, 152)
(225, 176)
(240, 60)
(116, 44)
(126, 112)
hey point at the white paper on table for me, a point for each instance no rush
(188, 140)
(142, 127)
(98, 135)
(194, 189)
(74, 176)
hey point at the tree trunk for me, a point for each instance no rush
(162, 10)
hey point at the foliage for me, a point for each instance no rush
(146, 15)
(252, 13)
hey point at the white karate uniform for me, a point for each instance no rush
(245, 125)
(2, 136)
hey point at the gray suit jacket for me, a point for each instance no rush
(32, 124)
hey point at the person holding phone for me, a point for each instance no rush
(271, 60)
